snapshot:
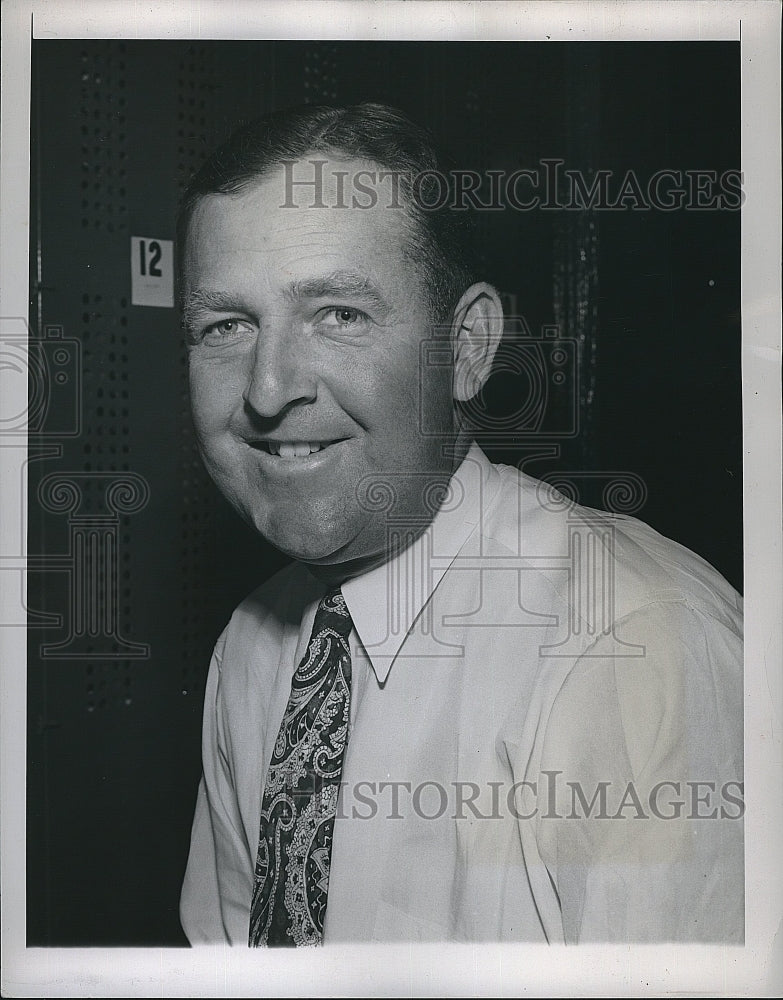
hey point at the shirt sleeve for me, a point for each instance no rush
(199, 908)
(639, 819)
(200, 900)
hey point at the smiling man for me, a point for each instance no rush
(439, 722)
(305, 329)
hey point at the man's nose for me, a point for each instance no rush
(280, 374)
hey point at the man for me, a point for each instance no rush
(469, 710)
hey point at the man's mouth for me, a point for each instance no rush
(293, 449)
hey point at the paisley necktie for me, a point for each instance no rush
(302, 785)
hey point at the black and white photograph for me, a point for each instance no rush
(391, 534)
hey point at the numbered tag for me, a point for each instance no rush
(152, 271)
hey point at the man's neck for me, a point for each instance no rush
(335, 574)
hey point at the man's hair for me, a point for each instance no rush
(440, 238)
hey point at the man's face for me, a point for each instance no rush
(305, 326)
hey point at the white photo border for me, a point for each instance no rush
(470, 970)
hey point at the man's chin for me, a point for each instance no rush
(316, 548)
(343, 552)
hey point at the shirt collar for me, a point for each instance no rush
(386, 601)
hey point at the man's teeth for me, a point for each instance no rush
(293, 449)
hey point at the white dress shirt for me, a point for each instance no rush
(546, 736)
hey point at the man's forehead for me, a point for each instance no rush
(300, 211)
(317, 175)
(322, 182)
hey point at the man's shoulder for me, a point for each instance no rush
(563, 540)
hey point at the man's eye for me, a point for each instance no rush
(341, 316)
(226, 329)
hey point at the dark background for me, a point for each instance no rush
(650, 298)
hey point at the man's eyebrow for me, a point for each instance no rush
(335, 285)
(338, 284)
(202, 300)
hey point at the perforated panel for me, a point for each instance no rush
(102, 113)
(196, 88)
(109, 717)
(104, 333)
(320, 82)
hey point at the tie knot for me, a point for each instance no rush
(333, 612)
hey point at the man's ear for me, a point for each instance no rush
(476, 333)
